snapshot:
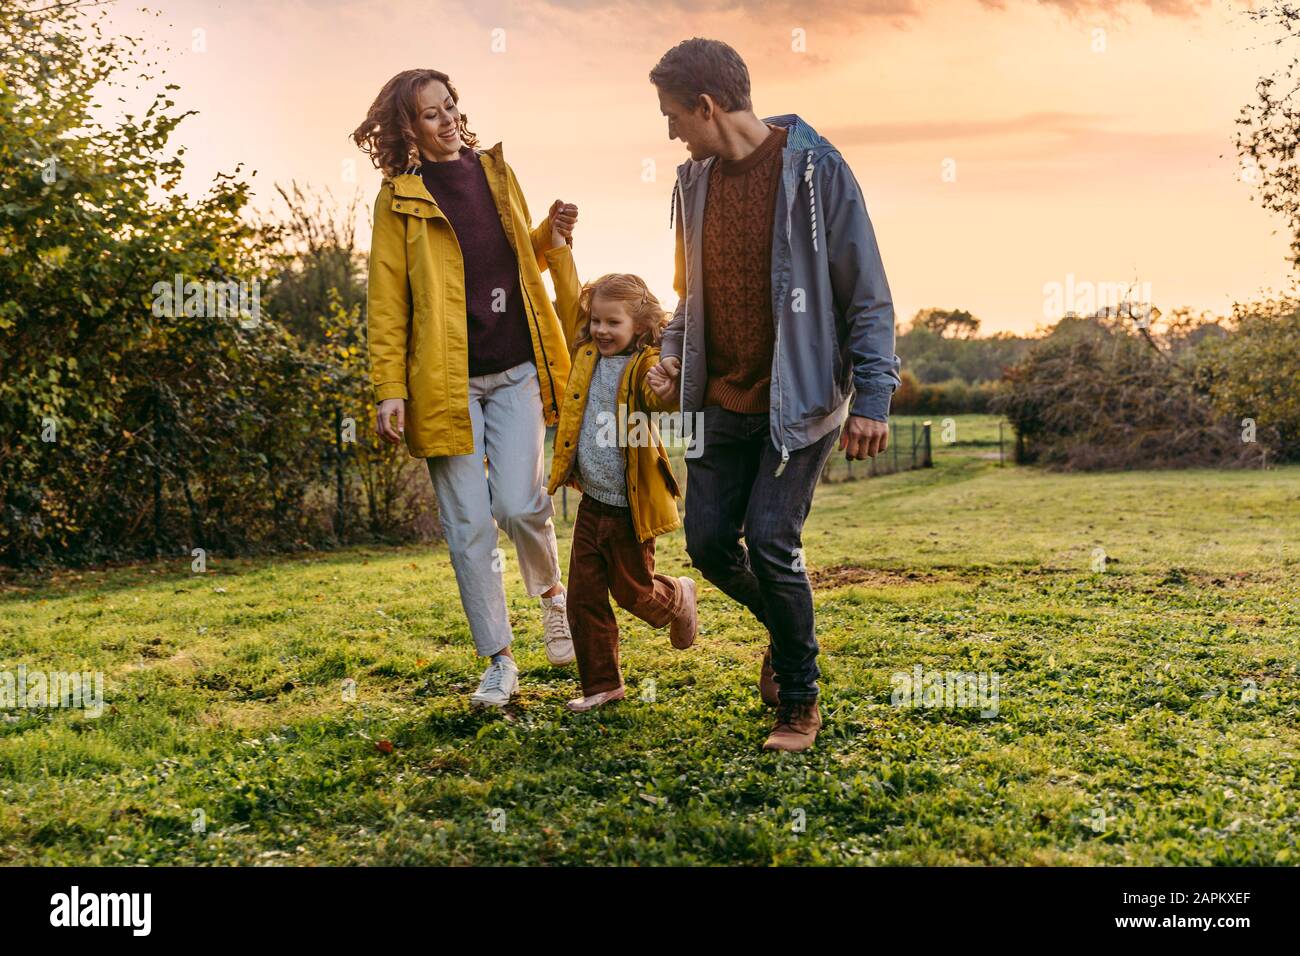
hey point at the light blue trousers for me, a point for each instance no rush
(509, 493)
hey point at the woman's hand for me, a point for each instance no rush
(564, 216)
(390, 421)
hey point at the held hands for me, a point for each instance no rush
(390, 421)
(564, 216)
(662, 378)
(863, 438)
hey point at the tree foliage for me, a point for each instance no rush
(1117, 397)
(127, 428)
(1269, 128)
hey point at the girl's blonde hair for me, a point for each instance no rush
(648, 316)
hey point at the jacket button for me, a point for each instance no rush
(576, 395)
(566, 444)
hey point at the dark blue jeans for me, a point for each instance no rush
(731, 490)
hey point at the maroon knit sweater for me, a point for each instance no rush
(737, 266)
(494, 306)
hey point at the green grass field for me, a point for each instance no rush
(1147, 713)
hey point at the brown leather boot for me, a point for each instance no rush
(767, 688)
(796, 726)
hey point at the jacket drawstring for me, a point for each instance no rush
(812, 198)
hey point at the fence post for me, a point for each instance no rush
(926, 460)
(913, 443)
(893, 440)
(564, 501)
(1001, 457)
(340, 504)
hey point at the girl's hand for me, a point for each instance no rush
(390, 421)
(662, 378)
(564, 216)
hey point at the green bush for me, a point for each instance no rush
(130, 426)
(1114, 401)
(951, 397)
(1254, 373)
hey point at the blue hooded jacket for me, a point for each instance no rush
(834, 317)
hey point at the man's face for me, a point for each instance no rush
(697, 133)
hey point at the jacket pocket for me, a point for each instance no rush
(420, 208)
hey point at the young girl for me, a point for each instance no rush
(613, 326)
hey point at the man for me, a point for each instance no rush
(783, 333)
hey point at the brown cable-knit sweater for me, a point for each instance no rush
(737, 265)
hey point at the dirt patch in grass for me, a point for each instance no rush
(843, 575)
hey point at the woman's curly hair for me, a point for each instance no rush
(648, 316)
(387, 135)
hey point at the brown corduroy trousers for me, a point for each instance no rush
(606, 559)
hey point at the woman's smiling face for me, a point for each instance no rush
(437, 123)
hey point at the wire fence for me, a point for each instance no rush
(910, 446)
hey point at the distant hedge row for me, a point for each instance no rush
(951, 397)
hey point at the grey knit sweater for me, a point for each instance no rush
(599, 464)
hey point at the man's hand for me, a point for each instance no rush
(390, 421)
(863, 438)
(662, 378)
(564, 216)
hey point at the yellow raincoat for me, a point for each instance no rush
(651, 485)
(419, 346)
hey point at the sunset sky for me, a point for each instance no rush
(1111, 165)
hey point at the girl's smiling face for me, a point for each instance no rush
(437, 123)
(610, 326)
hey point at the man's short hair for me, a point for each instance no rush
(698, 66)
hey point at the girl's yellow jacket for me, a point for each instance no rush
(651, 485)
(415, 308)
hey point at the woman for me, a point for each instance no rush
(467, 355)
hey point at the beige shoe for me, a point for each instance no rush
(581, 705)
(796, 726)
(767, 688)
(686, 624)
(555, 630)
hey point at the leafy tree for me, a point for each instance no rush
(90, 220)
(134, 422)
(1253, 374)
(1270, 128)
(945, 322)
(1114, 401)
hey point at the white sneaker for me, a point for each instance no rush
(500, 682)
(555, 630)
